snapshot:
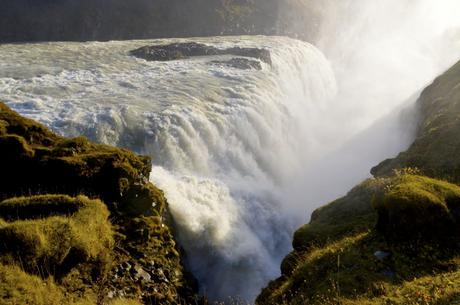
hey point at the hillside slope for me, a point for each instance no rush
(80, 223)
(394, 239)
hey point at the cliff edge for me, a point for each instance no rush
(80, 223)
(393, 239)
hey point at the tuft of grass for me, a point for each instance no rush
(334, 260)
(418, 207)
(20, 288)
(55, 244)
(345, 216)
(40, 206)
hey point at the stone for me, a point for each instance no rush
(178, 51)
(239, 63)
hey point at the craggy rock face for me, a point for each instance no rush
(437, 146)
(50, 230)
(185, 50)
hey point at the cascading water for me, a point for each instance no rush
(225, 142)
(243, 155)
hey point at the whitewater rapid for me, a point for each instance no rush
(225, 142)
(243, 156)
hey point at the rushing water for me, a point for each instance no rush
(243, 155)
(225, 142)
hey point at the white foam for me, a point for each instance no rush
(235, 151)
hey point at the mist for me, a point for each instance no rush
(243, 156)
(383, 54)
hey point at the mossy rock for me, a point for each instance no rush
(55, 243)
(20, 288)
(350, 214)
(69, 237)
(393, 239)
(37, 207)
(419, 208)
(36, 161)
(436, 148)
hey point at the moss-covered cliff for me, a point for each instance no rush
(80, 223)
(394, 239)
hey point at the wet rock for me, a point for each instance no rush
(178, 51)
(239, 63)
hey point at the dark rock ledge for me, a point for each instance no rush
(177, 51)
(80, 223)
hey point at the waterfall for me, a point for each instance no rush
(244, 156)
(225, 142)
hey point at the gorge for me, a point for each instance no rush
(244, 156)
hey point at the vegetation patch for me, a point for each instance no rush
(56, 244)
(80, 223)
(437, 145)
(419, 208)
(393, 239)
(76, 166)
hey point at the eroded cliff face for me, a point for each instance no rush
(394, 239)
(83, 20)
(80, 223)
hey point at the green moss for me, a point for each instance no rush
(73, 166)
(69, 237)
(19, 288)
(437, 145)
(56, 243)
(417, 207)
(125, 302)
(350, 214)
(40, 206)
(334, 262)
(410, 212)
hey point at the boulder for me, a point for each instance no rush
(178, 51)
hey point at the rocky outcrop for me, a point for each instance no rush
(437, 145)
(394, 239)
(177, 51)
(55, 198)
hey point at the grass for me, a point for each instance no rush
(65, 238)
(352, 213)
(437, 144)
(73, 166)
(334, 261)
(40, 207)
(20, 288)
(418, 207)
(56, 243)
(412, 215)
